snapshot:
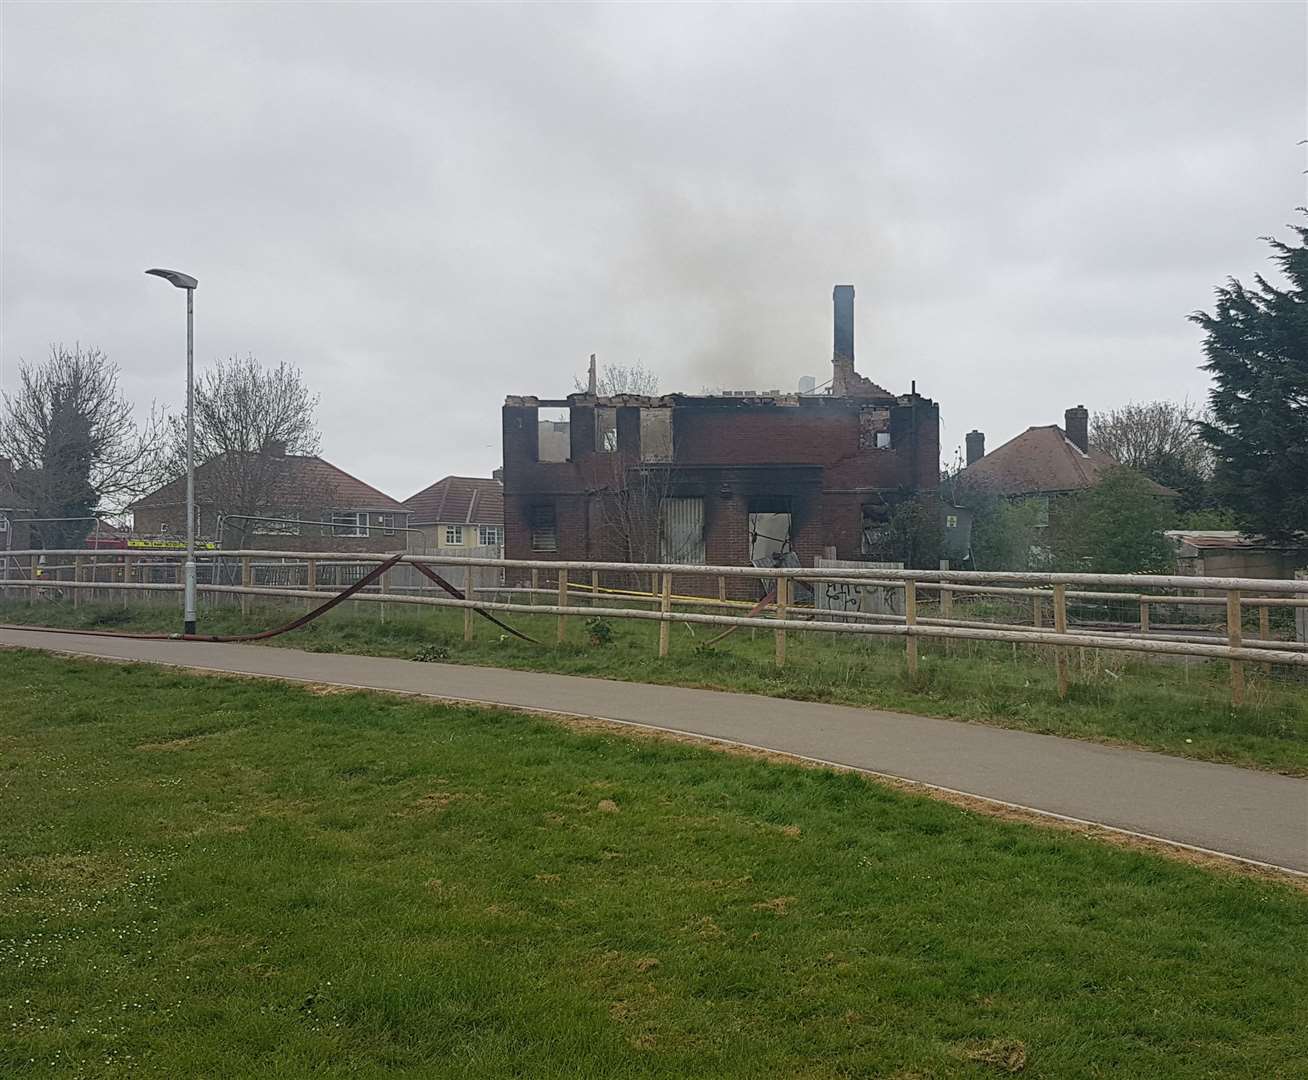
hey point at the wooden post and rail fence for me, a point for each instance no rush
(38, 572)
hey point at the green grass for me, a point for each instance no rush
(230, 878)
(1178, 708)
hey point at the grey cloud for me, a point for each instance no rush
(427, 207)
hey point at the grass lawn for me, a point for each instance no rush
(227, 878)
(1179, 708)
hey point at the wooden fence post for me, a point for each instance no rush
(382, 583)
(783, 602)
(127, 579)
(1060, 627)
(947, 612)
(311, 578)
(910, 620)
(1265, 629)
(1234, 638)
(535, 584)
(247, 581)
(563, 602)
(467, 624)
(77, 577)
(1144, 617)
(722, 588)
(665, 605)
(594, 588)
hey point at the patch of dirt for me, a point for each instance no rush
(646, 963)
(184, 743)
(548, 879)
(607, 806)
(1006, 1055)
(790, 830)
(779, 905)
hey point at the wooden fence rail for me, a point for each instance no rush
(1233, 594)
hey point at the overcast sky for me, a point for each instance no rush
(428, 207)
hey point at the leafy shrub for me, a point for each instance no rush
(599, 631)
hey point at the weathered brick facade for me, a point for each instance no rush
(836, 464)
(797, 455)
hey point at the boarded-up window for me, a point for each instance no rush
(544, 534)
(681, 531)
(606, 429)
(655, 434)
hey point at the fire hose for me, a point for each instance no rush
(294, 624)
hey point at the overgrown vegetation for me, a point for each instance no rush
(209, 877)
(1256, 342)
(1177, 707)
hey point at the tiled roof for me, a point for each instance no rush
(330, 486)
(460, 500)
(1042, 461)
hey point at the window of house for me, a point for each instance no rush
(349, 523)
(490, 535)
(387, 522)
(283, 524)
(553, 435)
(681, 531)
(874, 428)
(454, 535)
(877, 540)
(544, 534)
(656, 434)
(606, 429)
(1041, 504)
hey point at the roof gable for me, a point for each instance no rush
(1042, 461)
(459, 500)
(332, 488)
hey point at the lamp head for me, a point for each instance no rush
(175, 277)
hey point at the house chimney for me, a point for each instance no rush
(842, 356)
(1076, 423)
(592, 383)
(976, 446)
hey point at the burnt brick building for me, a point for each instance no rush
(725, 479)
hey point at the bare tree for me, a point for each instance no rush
(247, 420)
(74, 443)
(613, 379)
(1160, 439)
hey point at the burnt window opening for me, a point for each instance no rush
(553, 435)
(770, 524)
(544, 532)
(656, 434)
(606, 429)
(681, 531)
(874, 428)
(877, 541)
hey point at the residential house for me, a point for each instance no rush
(309, 505)
(460, 512)
(719, 479)
(1041, 463)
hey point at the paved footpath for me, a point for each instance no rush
(1251, 815)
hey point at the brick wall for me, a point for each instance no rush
(813, 457)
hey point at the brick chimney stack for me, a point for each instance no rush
(1076, 423)
(976, 446)
(842, 356)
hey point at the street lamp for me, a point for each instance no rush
(185, 281)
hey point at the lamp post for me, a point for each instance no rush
(185, 281)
